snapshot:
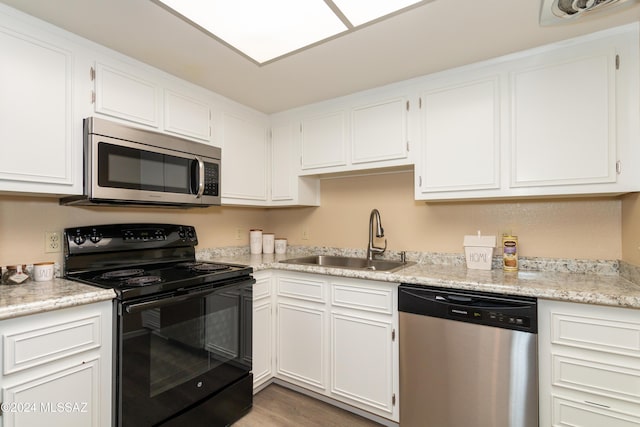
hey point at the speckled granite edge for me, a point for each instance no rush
(600, 267)
(38, 297)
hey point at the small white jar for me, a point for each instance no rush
(281, 245)
(255, 241)
(268, 240)
(43, 271)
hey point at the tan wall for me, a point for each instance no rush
(571, 228)
(24, 220)
(631, 228)
(575, 228)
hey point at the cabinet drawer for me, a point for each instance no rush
(304, 289)
(262, 288)
(29, 347)
(379, 300)
(572, 413)
(596, 333)
(613, 381)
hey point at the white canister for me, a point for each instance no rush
(281, 245)
(268, 240)
(43, 271)
(255, 241)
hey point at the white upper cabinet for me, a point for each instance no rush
(287, 188)
(124, 95)
(367, 130)
(564, 117)
(379, 131)
(243, 140)
(558, 120)
(148, 98)
(461, 135)
(41, 144)
(324, 140)
(283, 173)
(186, 116)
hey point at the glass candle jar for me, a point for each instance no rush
(15, 275)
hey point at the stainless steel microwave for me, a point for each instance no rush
(130, 166)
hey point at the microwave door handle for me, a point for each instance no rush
(200, 177)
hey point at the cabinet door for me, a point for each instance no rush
(461, 137)
(362, 361)
(122, 94)
(244, 159)
(263, 336)
(37, 129)
(186, 116)
(324, 141)
(301, 344)
(564, 119)
(67, 398)
(379, 131)
(283, 174)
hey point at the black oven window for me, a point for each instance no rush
(135, 169)
(183, 348)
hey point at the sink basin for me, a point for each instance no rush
(349, 263)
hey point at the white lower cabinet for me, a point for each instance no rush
(301, 350)
(56, 368)
(589, 365)
(263, 327)
(336, 336)
(363, 345)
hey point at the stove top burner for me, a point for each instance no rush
(203, 267)
(142, 280)
(122, 274)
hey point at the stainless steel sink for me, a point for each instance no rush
(349, 263)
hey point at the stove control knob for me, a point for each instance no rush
(95, 237)
(79, 239)
(191, 233)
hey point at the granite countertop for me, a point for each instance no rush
(593, 282)
(37, 297)
(597, 283)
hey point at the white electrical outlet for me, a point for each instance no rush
(305, 234)
(238, 233)
(52, 241)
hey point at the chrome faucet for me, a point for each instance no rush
(371, 249)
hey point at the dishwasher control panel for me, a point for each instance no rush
(502, 311)
(489, 317)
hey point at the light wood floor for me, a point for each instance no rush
(277, 406)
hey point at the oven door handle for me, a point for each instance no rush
(148, 305)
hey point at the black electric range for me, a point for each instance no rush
(183, 328)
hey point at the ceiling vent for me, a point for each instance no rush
(558, 11)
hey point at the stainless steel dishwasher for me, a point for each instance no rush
(467, 359)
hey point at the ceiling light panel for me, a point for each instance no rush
(360, 12)
(262, 30)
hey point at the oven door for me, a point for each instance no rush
(128, 171)
(178, 350)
